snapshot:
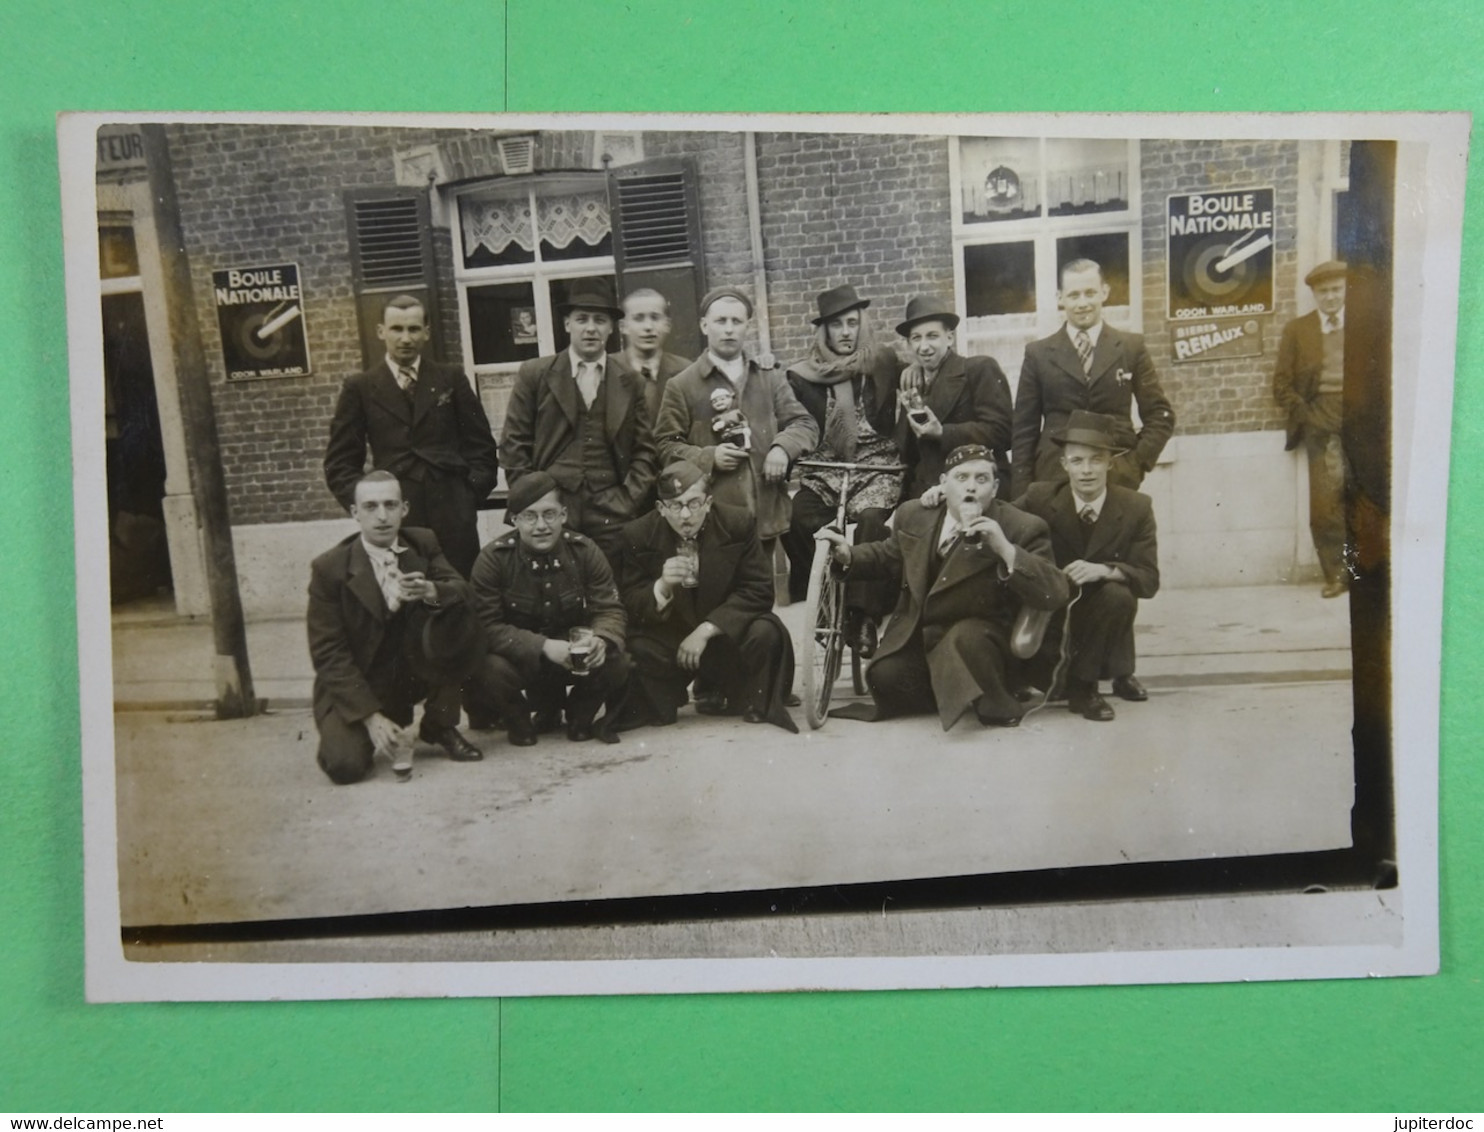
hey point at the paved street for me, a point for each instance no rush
(1243, 748)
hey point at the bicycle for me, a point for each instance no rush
(824, 638)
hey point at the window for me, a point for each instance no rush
(1025, 207)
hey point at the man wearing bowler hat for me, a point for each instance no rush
(698, 589)
(848, 384)
(391, 625)
(946, 400)
(1103, 538)
(1309, 385)
(1087, 365)
(582, 417)
(552, 620)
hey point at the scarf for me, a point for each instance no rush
(824, 367)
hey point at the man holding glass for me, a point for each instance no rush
(552, 620)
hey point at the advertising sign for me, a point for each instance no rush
(1220, 253)
(261, 315)
(1216, 338)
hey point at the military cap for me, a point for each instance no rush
(677, 479)
(527, 490)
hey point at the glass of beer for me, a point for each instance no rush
(690, 551)
(968, 511)
(581, 639)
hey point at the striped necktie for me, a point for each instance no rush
(1084, 351)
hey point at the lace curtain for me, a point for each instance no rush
(495, 223)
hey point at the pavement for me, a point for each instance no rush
(1243, 748)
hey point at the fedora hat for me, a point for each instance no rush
(922, 309)
(590, 295)
(1092, 429)
(447, 642)
(836, 301)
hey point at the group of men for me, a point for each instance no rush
(648, 495)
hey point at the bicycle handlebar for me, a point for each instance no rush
(806, 463)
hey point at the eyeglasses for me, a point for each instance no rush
(531, 518)
(685, 506)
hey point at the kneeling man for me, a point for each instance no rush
(552, 618)
(699, 593)
(390, 626)
(1104, 541)
(965, 572)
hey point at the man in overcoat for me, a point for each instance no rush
(1087, 365)
(532, 587)
(422, 422)
(965, 569)
(1309, 385)
(698, 590)
(391, 625)
(583, 417)
(1103, 538)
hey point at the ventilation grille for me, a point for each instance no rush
(390, 242)
(517, 155)
(652, 215)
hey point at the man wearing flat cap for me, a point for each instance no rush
(748, 464)
(1103, 538)
(946, 400)
(965, 571)
(582, 416)
(1092, 366)
(1309, 385)
(848, 385)
(552, 620)
(698, 589)
(391, 625)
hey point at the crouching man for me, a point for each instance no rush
(552, 620)
(698, 589)
(965, 571)
(391, 625)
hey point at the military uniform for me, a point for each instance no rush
(525, 598)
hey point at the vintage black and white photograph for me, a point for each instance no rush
(578, 554)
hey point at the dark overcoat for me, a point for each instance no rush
(1296, 375)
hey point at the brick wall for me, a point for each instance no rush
(722, 177)
(1234, 394)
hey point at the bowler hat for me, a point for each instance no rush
(1092, 429)
(1329, 269)
(448, 644)
(925, 308)
(590, 295)
(837, 301)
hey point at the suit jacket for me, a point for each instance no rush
(972, 399)
(775, 416)
(348, 617)
(1123, 536)
(654, 388)
(736, 576)
(1052, 385)
(541, 423)
(971, 583)
(442, 429)
(1296, 374)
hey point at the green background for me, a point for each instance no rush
(1386, 1044)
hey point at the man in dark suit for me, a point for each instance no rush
(391, 624)
(947, 400)
(583, 417)
(1103, 538)
(644, 328)
(1089, 365)
(424, 424)
(966, 569)
(1309, 385)
(699, 594)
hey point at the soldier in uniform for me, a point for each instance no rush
(532, 588)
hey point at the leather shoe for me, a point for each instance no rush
(604, 733)
(752, 715)
(792, 700)
(520, 732)
(459, 749)
(548, 720)
(1091, 706)
(711, 703)
(1129, 688)
(579, 732)
(1333, 589)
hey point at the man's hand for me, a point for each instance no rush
(775, 467)
(931, 428)
(1082, 572)
(598, 654)
(558, 652)
(673, 574)
(839, 546)
(728, 457)
(384, 733)
(994, 537)
(932, 497)
(688, 655)
(414, 586)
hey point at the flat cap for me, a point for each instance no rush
(724, 293)
(1329, 269)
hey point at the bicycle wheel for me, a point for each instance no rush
(824, 636)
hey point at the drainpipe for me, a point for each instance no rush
(755, 231)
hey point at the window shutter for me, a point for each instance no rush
(656, 215)
(391, 254)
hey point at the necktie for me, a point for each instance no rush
(406, 378)
(1331, 323)
(387, 575)
(1084, 351)
(587, 382)
(648, 372)
(1089, 516)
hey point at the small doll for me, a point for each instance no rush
(729, 426)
